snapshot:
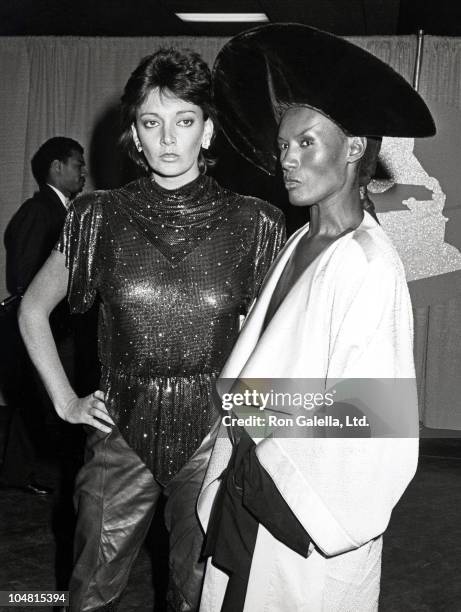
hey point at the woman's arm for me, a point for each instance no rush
(45, 292)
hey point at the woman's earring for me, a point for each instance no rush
(137, 142)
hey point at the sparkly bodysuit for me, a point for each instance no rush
(174, 270)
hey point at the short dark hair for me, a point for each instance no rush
(183, 73)
(60, 148)
(369, 160)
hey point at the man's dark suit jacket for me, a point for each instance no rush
(31, 236)
(29, 239)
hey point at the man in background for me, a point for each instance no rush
(59, 169)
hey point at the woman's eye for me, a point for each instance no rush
(305, 142)
(150, 124)
(283, 146)
(186, 122)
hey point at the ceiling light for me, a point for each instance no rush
(223, 17)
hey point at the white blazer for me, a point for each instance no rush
(348, 316)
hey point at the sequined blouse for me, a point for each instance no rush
(173, 271)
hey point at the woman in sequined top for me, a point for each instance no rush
(174, 260)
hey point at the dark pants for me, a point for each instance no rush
(35, 430)
(187, 568)
(116, 496)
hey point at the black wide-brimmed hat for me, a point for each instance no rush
(262, 71)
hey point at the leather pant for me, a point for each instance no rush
(115, 496)
(186, 566)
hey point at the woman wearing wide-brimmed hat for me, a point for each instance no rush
(295, 522)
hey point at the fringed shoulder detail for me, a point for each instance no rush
(80, 242)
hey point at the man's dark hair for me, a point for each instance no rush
(60, 148)
(182, 72)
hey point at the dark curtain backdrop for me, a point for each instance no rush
(71, 86)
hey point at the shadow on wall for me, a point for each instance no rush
(110, 167)
(440, 157)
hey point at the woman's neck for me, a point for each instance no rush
(337, 214)
(176, 182)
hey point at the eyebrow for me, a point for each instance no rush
(181, 112)
(302, 133)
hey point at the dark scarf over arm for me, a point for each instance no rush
(247, 496)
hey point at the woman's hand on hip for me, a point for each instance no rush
(89, 410)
